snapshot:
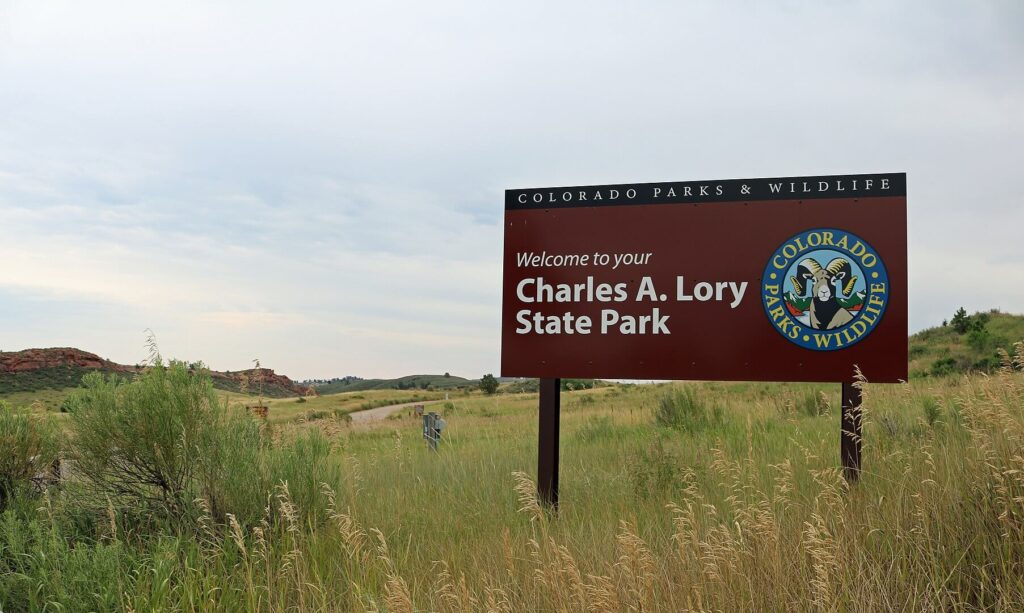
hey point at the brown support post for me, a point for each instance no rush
(547, 442)
(849, 432)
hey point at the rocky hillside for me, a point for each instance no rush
(56, 357)
(250, 381)
(59, 368)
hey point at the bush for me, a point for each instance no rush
(943, 367)
(813, 404)
(569, 385)
(161, 441)
(28, 446)
(681, 408)
(596, 428)
(489, 384)
(964, 323)
(894, 426)
(305, 465)
(654, 470)
(231, 471)
(916, 351)
(65, 405)
(961, 321)
(979, 339)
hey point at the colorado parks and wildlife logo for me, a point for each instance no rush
(825, 289)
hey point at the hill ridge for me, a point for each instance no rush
(60, 367)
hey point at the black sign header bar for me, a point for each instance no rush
(697, 192)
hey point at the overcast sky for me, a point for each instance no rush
(319, 184)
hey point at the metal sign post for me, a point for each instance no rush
(433, 424)
(547, 442)
(849, 432)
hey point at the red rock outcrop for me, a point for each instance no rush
(35, 359)
(270, 380)
(55, 357)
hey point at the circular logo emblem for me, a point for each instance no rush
(825, 289)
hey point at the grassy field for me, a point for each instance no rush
(673, 497)
(43, 400)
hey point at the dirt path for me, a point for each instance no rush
(379, 413)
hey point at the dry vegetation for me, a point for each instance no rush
(713, 497)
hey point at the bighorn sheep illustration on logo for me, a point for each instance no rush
(825, 308)
(825, 311)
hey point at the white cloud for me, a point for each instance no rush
(321, 184)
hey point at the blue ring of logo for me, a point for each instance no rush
(865, 309)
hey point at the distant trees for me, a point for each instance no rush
(489, 384)
(961, 321)
(980, 338)
(973, 324)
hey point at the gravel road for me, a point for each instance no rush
(379, 413)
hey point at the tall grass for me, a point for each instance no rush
(754, 515)
(28, 447)
(684, 408)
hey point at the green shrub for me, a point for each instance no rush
(568, 385)
(159, 442)
(979, 339)
(942, 367)
(28, 446)
(813, 404)
(596, 428)
(654, 470)
(65, 405)
(489, 384)
(681, 408)
(305, 465)
(961, 321)
(895, 427)
(988, 363)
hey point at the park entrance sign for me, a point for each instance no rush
(771, 279)
(793, 279)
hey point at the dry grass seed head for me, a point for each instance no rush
(823, 550)
(236, 534)
(527, 493)
(601, 594)
(396, 590)
(496, 600)
(454, 594)
(636, 566)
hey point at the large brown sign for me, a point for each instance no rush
(777, 279)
